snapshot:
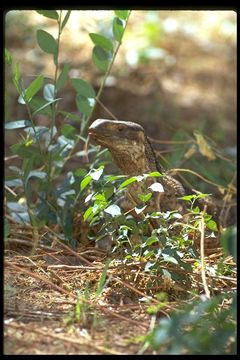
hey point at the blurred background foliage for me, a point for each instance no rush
(175, 74)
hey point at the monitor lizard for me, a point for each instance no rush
(132, 152)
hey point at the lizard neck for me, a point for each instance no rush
(137, 161)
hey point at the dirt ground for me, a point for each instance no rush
(50, 301)
(51, 305)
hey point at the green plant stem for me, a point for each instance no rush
(22, 90)
(33, 126)
(54, 108)
(100, 89)
(55, 78)
(110, 65)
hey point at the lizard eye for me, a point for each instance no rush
(120, 129)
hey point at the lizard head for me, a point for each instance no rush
(127, 143)
(117, 134)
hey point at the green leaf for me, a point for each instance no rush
(211, 225)
(99, 199)
(46, 107)
(196, 210)
(154, 174)
(113, 210)
(145, 197)
(33, 88)
(102, 41)
(16, 78)
(17, 124)
(188, 197)
(48, 92)
(27, 165)
(151, 240)
(122, 14)
(87, 213)
(118, 29)
(16, 72)
(83, 105)
(108, 191)
(68, 131)
(229, 241)
(85, 182)
(202, 196)
(6, 229)
(63, 77)
(101, 58)
(111, 178)
(47, 42)
(83, 88)
(37, 104)
(70, 116)
(169, 258)
(103, 278)
(80, 172)
(25, 152)
(127, 182)
(65, 20)
(8, 57)
(51, 14)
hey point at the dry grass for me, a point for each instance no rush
(51, 305)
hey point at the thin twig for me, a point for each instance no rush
(7, 158)
(68, 248)
(38, 277)
(106, 109)
(122, 317)
(203, 273)
(200, 177)
(170, 141)
(10, 190)
(100, 90)
(78, 342)
(28, 244)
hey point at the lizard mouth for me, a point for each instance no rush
(98, 138)
(91, 133)
(95, 134)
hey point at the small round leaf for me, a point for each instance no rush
(46, 42)
(83, 88)
(51, 14)
(118, 29)
(101, 58)
(102, 41)
(122, 14)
